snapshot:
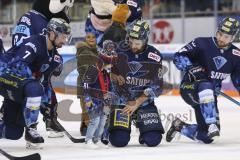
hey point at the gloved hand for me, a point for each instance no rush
(196, 73)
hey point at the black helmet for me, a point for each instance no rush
(59, 26)
(139, 30)
(229, 26)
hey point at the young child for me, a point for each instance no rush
(97, 89)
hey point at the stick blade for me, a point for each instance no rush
(35, 156)
(80, 140)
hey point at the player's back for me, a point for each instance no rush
(31, 23)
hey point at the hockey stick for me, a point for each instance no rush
(74, 140)
(35, 156)
(228, 97)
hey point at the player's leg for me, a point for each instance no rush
(208, 108)
(49, 111)
(205, 112)
(119, 128)
(12, 123)
(150, 126)
(33, 92)
(188, 92)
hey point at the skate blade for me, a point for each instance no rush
(216, 139)
(33, 146)
(53, 134)
(214, 135)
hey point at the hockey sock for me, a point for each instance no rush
(31, 110)
(190, 131)
(207, 106)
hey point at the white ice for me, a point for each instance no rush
(226, 147)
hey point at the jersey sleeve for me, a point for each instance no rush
(186, 55)
(155, 87)
(26, 54)
(136, 12)
(22, 30)
(235, 77)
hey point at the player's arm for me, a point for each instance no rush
(135, 10)
(132, 106)
(183, 59)
(22, 30)
(156, 87)
(235, 77)
(27, 54)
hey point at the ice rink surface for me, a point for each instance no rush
(226, 147)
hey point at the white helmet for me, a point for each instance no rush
(56, 6)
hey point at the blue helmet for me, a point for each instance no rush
(139, 30)
(229, 26)
(59, 26)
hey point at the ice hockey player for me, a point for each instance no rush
(18, 84)
(206, 61)
(34, 22)
(139, 81)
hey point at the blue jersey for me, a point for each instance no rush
(141, 72)
(136, 11)
(135, 8)
(29, 57)
(218, 63)
(31, 23)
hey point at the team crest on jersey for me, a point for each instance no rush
(219, 61)
(236, 52)
(154, 56)
(131, 3)
(57, 59)
(134, 66)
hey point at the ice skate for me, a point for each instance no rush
(176, 126)
(53, 130)
(33, 138)
(213, 131)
